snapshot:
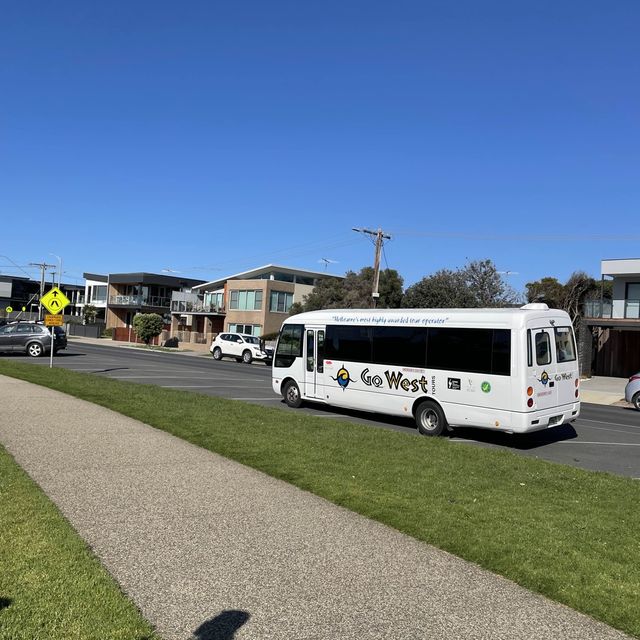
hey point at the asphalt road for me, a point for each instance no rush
(604, 438)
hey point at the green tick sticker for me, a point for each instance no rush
(486, 387)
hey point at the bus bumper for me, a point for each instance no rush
(539, 420)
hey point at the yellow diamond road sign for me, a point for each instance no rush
(54, 300)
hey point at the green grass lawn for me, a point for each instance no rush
(570, 534)
(51, 585)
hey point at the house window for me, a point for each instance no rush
(281, 301)
(246, 300)
(98, 293)
(250, 329)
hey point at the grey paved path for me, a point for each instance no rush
(208, 547)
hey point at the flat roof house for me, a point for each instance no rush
(615, 323)
(254, 301)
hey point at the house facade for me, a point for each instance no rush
(131, 293)
(22, 296)
(615, 323)
(254, 302)
(95, 294)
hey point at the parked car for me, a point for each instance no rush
(632, 390)
(32, 338)
(242, 347)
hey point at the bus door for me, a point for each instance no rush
(567, 371)
(542, 367)
(314, 362)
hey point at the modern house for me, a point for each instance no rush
(254, 302)
(95, 294)
(132, 293)
(615, 323)
(22, 296)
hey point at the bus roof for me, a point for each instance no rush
(510, 317)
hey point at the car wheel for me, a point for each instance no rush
(430, 419)
(35, 349)
(217, 353)
(246, 356)
(291, 394)
(636, 401)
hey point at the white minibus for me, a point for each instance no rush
(513, 370)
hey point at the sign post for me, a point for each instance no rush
(54, 301)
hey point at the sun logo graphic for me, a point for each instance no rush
(544, 378)
(343, 378)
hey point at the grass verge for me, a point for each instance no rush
(51, 585)
(569, 534)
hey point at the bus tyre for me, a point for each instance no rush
(291, 394)
(430, 419)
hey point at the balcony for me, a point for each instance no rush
(186, 302)
(612, 310)
(140, 301)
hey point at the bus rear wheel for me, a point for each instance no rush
(291, 394)
(430, 419)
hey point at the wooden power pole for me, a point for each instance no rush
(380, 237)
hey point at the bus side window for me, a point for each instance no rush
(320, 354)
(529, 351)
(310, 362)
(543, 348)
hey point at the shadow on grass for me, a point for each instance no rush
(519, 441)
(5, 603)
(223, 626)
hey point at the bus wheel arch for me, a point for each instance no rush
(291, 393)
(429, 417)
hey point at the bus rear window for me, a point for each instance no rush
(289, 345)
(565, 347)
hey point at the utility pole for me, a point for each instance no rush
(380, 236)
(43, 266)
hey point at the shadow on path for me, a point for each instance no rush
(222, 627)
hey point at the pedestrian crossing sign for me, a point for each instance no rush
(54, 300)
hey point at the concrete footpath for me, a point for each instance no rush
(208, 548)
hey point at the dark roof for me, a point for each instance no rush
(95, 276)
(152, 278)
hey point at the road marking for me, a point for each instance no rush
(185, 386)
(615, 444)
(142, 376)
(261, 399)
(613, 424)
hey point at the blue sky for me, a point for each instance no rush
(209, 137)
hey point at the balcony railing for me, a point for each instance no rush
(140, 301)
(195, 306)
(605, 310)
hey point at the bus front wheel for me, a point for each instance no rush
(430, 419)
(291, 393)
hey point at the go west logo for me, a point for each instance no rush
(395, 380)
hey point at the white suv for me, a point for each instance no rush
(242, 347)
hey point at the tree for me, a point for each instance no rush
(327, 294)
(89, 314)
(577, 289)
(443, 289)
(353, 292)
(478, 284)
(147, 326)
(570, 296)
(547, 290)
(487, 286)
